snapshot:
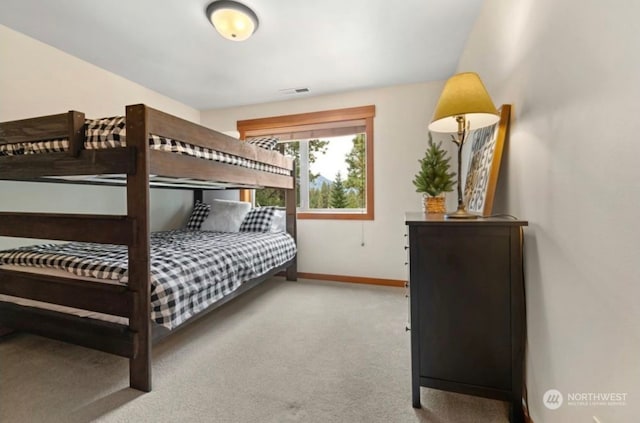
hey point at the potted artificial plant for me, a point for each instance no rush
(434, 178)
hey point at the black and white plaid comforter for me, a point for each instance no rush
(190, 270)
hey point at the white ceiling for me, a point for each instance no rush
(327, 46)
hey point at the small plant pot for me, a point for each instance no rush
(434, 205)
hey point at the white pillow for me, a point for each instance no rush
(279, 222)
(226, 216)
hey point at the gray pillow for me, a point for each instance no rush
(226, 216)
(279, 222)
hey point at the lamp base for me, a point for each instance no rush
(461, 213)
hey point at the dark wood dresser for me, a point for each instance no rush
(467, 307)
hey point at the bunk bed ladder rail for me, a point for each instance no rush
(138, 131)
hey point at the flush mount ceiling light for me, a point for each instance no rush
(233, 20)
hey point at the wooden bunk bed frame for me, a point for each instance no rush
(137, 161)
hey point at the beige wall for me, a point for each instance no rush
(400, 138)
(37, 79)
(571, 69)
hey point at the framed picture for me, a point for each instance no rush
(484, 164)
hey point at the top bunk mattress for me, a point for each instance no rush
(190, 270)
(111, 132)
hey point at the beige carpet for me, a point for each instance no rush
(284, 352)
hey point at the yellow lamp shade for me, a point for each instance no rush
(464, 94)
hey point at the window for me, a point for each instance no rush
(334, 161)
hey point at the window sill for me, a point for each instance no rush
(307, 215)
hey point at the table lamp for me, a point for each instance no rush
(464, 105)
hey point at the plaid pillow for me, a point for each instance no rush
(113, 130)
(198, 215)
(268, 143)
(258, 220)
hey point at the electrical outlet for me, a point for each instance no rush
(596, 420)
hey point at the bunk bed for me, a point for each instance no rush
(58, 148)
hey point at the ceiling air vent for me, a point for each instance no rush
(288, 91)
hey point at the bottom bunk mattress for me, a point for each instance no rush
(190, 270)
